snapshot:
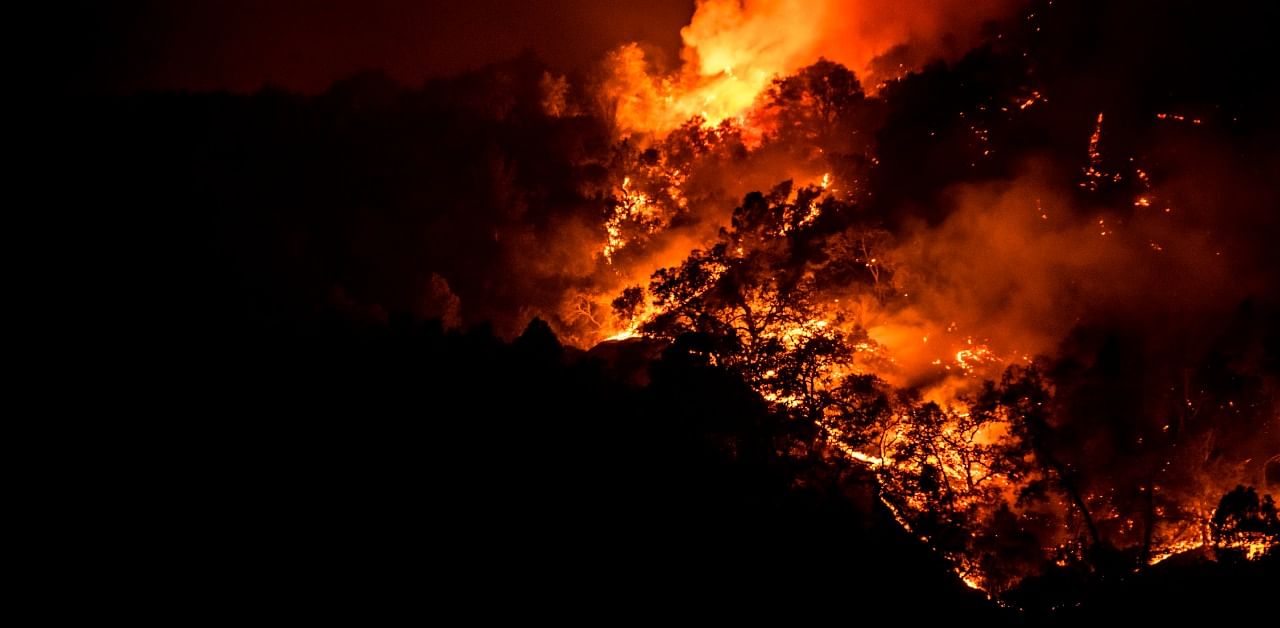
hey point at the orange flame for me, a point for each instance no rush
(733, 49)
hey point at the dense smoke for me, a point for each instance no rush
(1018, 263)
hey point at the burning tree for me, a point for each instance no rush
(757, 303)
(1244, 525)
(1005, 477)
(756, 297)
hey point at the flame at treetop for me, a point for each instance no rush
(733, 49)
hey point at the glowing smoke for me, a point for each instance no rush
(733, 49)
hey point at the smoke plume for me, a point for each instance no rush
(734, 48)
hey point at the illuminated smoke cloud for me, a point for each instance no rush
(733, 49)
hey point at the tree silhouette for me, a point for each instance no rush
(1241, 519)
(753, 296)
(815, 99)
(1024, 398)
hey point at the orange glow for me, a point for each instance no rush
(733, 49)
(1176, 117)
(1034, 98)
(631, 205)
(933, 317)
(1093, 173)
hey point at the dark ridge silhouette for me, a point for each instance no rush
(354, 463)
(355, 460)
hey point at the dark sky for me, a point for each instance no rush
(306, 45)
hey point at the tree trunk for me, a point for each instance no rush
(1077, 499)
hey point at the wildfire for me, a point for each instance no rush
(938, 455)
(647, 102)
(974, 356)
(1176, 117)
(642, 205)
(1032, 99)
(733, 49)
(1093, 173)
(632, 332)
(813, 209)
(845, 235)
(631, 206)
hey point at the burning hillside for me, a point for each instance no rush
(1006, 264)
(980, 359)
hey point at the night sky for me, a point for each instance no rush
(300, 45)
